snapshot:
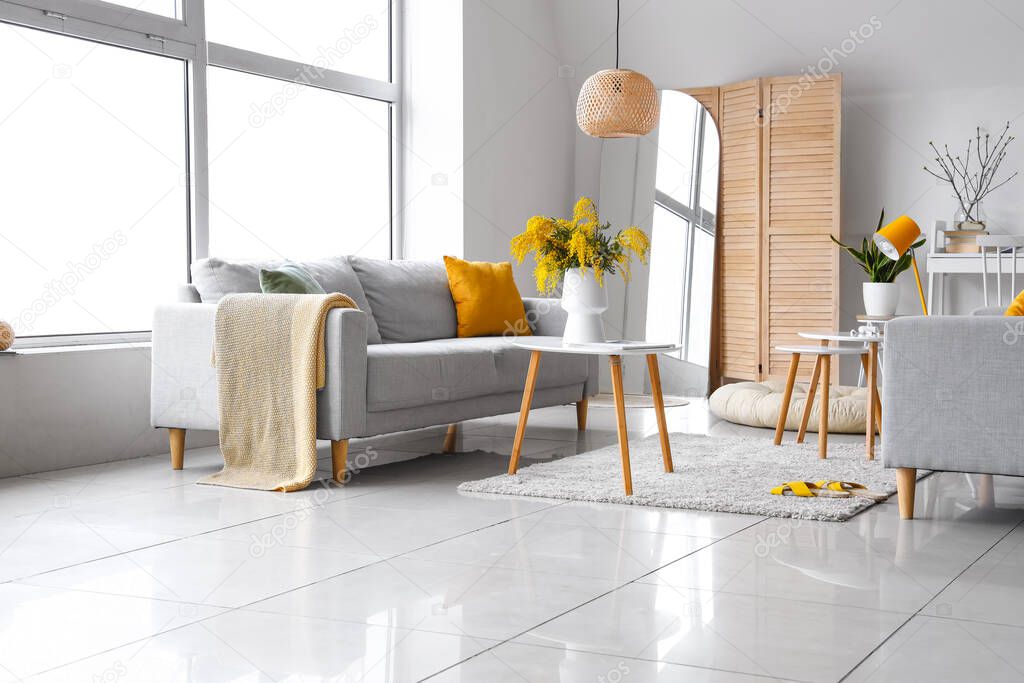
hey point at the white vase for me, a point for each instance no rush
(584, 300)
(881, 298)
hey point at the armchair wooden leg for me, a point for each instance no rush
(581, 415)
(339, 459)
(986, 492)
(906, 484)
(449, 438)
(177, 438)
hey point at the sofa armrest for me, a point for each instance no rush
(184, 381)
(545, 316)
(951, 395)
(341, 404)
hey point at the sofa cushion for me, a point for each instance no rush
(214, 277)
(410, 300)
(421, 373)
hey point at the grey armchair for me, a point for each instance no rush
(953, 387)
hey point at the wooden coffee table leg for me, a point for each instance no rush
(826, 377)
(659, 410)
(524, 411)
(620, 414)
(780, 428)
(812, 388)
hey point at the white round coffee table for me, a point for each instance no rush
(541, 345)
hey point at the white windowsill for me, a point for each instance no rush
(72, 348)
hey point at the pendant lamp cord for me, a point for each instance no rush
(618, 10)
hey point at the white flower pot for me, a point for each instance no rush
(584, 300)
(881, 298)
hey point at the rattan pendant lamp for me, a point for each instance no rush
(617, 103)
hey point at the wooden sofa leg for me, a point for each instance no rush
(339, 459)
(449, 438)
(906, 484)
(581, 415)
(177, 438)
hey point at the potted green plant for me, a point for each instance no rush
(881, 295)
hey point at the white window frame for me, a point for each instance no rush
(185, 39)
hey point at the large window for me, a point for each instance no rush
(94, 211)
(342, 35)
(132, 146)
(307, 178)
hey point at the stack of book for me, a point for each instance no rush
(963, 241)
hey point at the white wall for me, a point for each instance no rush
(932, 70)
(431, 211)
(78, 407)
(488, 140)
(519, 131)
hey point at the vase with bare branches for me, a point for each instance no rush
(973, 176)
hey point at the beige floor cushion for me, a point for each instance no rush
(757, 404)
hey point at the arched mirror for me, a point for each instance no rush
(684, 217)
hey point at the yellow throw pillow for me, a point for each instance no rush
(1017, 307)
(487, 300)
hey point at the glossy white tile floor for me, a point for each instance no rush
(131, 572)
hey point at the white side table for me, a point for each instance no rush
(823, 369)
(869, 361)
(541, 345)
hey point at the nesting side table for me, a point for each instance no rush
(822, 369)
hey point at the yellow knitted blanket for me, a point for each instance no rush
(269, 354)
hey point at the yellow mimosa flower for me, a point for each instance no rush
(634, 239)
(559, 244)
(584, 214)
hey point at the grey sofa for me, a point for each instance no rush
(953, 387)
(395, 364)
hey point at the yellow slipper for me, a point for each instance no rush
(807, 489)
(853, 488)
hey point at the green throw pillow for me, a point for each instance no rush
(289, 278)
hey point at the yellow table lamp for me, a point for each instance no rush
(895, 239)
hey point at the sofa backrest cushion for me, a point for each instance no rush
(215, 277)
(410, 299)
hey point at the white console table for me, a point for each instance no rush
(940, 265)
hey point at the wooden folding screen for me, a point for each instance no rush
(800, 210)
(777, 272)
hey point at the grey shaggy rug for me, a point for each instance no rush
(711, 473)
